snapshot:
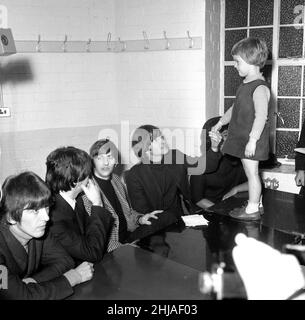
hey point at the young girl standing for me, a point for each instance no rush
(248, 137)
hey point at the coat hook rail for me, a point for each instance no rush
(66, 46)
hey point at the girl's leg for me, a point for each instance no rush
(255, 186)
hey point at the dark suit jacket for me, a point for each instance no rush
(143, 189)
(300, 157)
(83, 236)
(213, 186)
(45, 262)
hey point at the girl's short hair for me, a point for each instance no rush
(66, 167)
(104, 146)
(143, 137)
(253, 50)
(23, 191)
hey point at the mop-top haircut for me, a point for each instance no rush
(252, 50)
(66, 167)
(25, 191)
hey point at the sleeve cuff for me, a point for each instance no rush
(73, 277)
(138, 219)
(253, 138)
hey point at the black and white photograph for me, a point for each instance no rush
(152, 153)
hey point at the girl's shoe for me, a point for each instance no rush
(260, 207)
(240, 214)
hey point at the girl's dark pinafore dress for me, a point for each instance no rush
(243, 115)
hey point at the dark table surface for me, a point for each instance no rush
(131, 273)
(283, 211)
(167, 265)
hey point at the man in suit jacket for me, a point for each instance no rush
(129, 225)
(37, 266)
(83, 236)
(161, 177)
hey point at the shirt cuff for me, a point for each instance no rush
(138, 219)
(73, 277)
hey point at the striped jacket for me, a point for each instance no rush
(130, 214)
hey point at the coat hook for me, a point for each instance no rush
(88, 45)
(64, 47)
(146, 46)
(191, 44)
(167, 41)
(38, 46)
(123, 44)
(108, 41)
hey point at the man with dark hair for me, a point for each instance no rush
(161, 178)
(128, 225)
(83, 236)
(37, 265)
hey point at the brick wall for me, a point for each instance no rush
(55, 98)
(67, 99)
(165, 88)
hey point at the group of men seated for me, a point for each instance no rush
(52, 232)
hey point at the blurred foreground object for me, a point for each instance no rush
(266, 273)
(220, 284)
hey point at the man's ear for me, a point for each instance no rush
(10, 220)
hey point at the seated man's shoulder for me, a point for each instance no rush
(117, 177)
(134, 169)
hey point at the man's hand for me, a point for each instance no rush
(85, 270)
(250, 148)
(229, 194)
(145, 218)
(216, 138)
(300, 178)
(92, 192)
(217, 126)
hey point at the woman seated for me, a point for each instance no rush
(33, 264)
(128, 224)
(84, 237)
(229, 178)
(160, 180)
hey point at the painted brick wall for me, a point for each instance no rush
(165, 88)
(67, 99)
(55, 99)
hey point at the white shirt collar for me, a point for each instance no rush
(68, 199)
